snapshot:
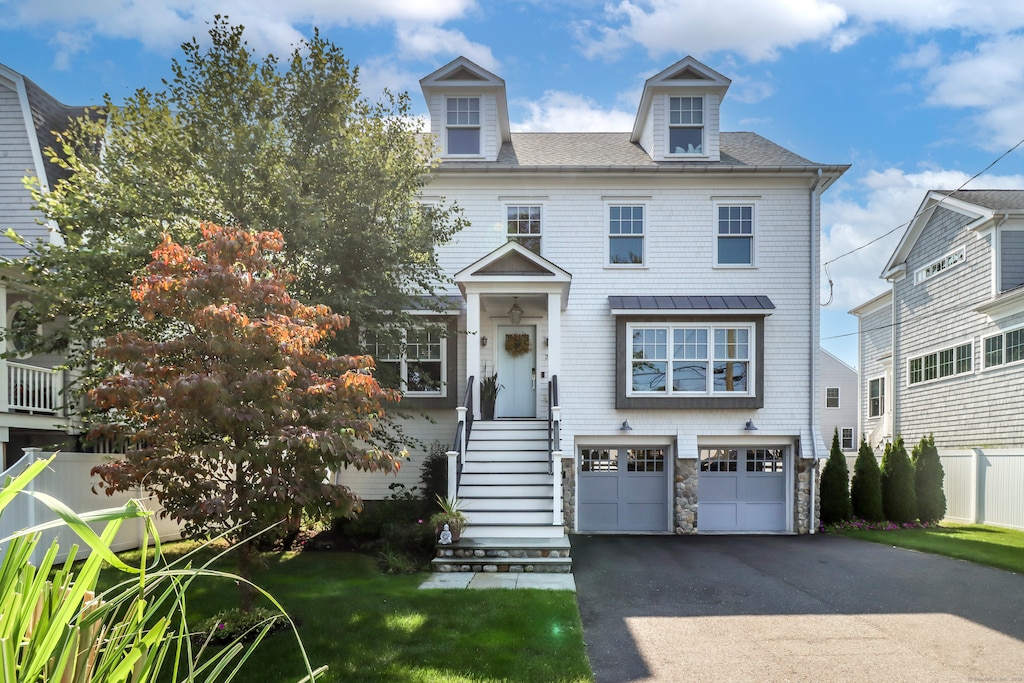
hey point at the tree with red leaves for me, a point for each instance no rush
(235, 415)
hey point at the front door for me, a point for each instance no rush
(517, 371)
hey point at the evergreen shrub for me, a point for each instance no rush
(866, 488)
(899, 501)
(835, 486)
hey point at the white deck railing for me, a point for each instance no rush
(33, 389)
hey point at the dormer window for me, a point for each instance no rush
(463, 126)
(686, 125)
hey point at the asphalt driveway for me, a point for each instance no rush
(792, 608)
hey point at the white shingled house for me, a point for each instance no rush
(31, 404)
(649, 303)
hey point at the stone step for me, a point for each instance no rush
(510, 554)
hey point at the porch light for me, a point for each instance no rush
(625, 426)
(750, 426)
(515, 313)
(483, 341)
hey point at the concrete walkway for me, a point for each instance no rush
(483, 580)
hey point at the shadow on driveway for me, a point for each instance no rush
(814, 608)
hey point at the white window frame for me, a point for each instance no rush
(702, 126)
(881, 396)
(940, 266)
(404, 361)
(1004, 348)
(609, 236)
(842, 439)
(828, 389)
(731, 203)
(478, 126)
(510, 236)
(920, 364)
(710, 359)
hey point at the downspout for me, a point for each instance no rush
(815, 341)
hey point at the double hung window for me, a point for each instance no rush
(686, 125)
(735, 235)
(411, 360)
(832, 397)
(523, 225)
(876, 397)
(463, 125)
(626, 235)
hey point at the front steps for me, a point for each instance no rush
(506, 488)
(497, 555)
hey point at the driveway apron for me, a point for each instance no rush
(792, 608)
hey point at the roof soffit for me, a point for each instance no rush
(687, 74)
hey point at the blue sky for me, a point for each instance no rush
(915, 94)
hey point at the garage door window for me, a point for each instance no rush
(718, 460)
(764, 460)
(599, 460)
(646, 459)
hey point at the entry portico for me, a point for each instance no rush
(513, 276)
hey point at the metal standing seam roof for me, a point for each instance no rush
(691, 303)
(538, 150)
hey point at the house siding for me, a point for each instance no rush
(16, 163)
(835, 373)
(1011, 245)
(875, 361)
(938, 313)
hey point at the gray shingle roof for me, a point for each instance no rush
(996, 200)
(535, 150)
(692, 303)
(49, 115)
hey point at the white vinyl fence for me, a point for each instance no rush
(982, 486)
(68, 479)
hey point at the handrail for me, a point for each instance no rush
(457, 455)
(553, 421)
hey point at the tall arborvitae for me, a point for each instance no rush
(899, 501)
(866, 488)
(835, 486)
(928, 476)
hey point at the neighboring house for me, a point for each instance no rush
(942, 352)
(838, 399)
(31, 412)
(666, 276)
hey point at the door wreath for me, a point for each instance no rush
(517, 344)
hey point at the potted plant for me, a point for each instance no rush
(489, 389)
(450, 514)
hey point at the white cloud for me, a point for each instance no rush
(563, 111)
(704, 26)
(162, 25)
(989, 80)
(879, 202)
(424, 42)
(916, 16)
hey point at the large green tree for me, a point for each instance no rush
(239, 139)
(233, 413)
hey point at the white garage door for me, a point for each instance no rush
(623, 489)
(742, 489)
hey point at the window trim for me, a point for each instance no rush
(881, 396)
(842, 439)
(608, 237)
(1004, 346)
(837, 405)
(724, 202)
(940, 266)
(624, 398)
(478, 127)
(930, 364)
(703, 126)
(527, 205)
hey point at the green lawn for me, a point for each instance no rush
(990, 545)
(372, 627)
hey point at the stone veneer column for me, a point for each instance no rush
(569, 493)
(801, 514)
(685, 504)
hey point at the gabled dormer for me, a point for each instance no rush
(468, 111)
(678, 118)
